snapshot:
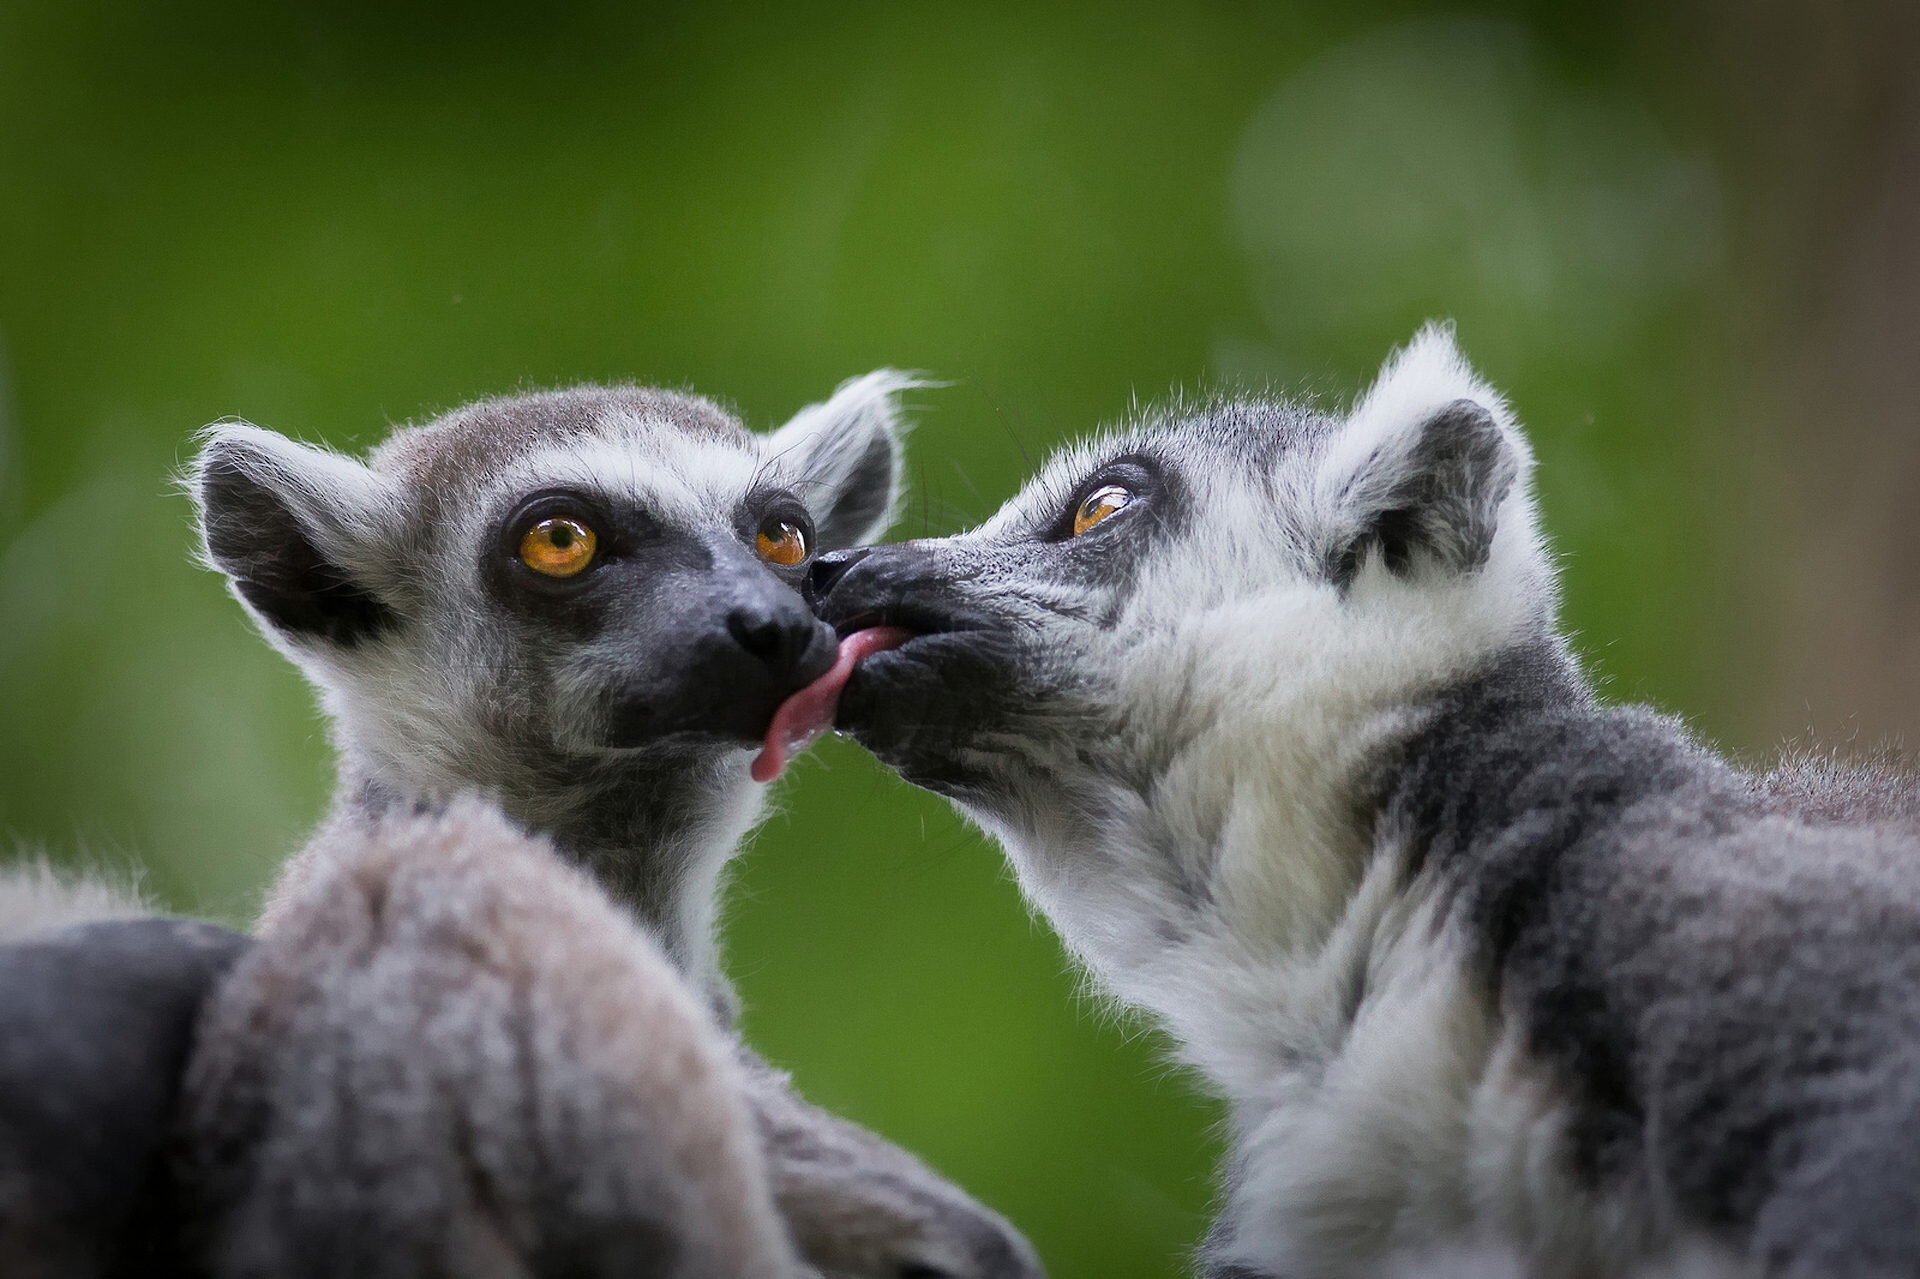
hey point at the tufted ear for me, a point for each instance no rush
(1419, 470)
(844, 457)
(286, 523)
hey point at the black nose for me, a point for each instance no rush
(779, 637)
(828, 569)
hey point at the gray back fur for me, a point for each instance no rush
(36, 897)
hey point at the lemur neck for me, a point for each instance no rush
(1247, 894)
(657, 834)
(1249, 897)
(1382, 936)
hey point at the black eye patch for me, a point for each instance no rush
(632, 548)
(1107, 557)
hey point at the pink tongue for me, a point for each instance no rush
(809, 712)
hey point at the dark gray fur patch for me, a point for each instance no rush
(258, 541)
(1725, 978)
(95, 1025)
(1107, 559)
(863, 497)
(1446, 505)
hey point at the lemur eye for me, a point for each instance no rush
(558, 547)
(1106, 500)
(781, 542)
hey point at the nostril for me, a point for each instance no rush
(759, 634)
(778, 640)
(827, 570)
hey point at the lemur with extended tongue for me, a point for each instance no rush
(583, 605)
(1273, 715)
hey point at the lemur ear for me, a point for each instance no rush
(1419, 470)
(285, 522)
(844, 457)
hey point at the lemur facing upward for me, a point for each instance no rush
(584, 604)
(1272, 713)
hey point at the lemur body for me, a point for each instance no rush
(581, 605)
(1271, 713)
(453, 1054)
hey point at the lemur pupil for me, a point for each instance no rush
(781, 543)
(1099, 504)
(559, 547)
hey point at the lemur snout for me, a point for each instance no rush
(716, 653)
(902, 584)
(782, 636)
(827, 570)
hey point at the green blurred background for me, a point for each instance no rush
(1681, 235)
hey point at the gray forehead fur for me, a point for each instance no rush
(1214, 436)
(441, 460)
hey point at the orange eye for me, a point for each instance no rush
(558, 547)
(1100, 503)
(781, 543)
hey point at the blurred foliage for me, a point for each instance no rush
(330, 218)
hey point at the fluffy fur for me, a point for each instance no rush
(95, 1026)
(454, 1055)
(612, 713)
(94, 1035)
(35, 898)
(1293, 754)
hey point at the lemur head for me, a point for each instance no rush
(1183, 639)
(583, 601)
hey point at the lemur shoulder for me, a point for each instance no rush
(1273, 714)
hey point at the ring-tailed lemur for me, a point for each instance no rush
(583, 604)
(1274, 718)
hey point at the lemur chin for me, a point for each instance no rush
(1275, 719)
